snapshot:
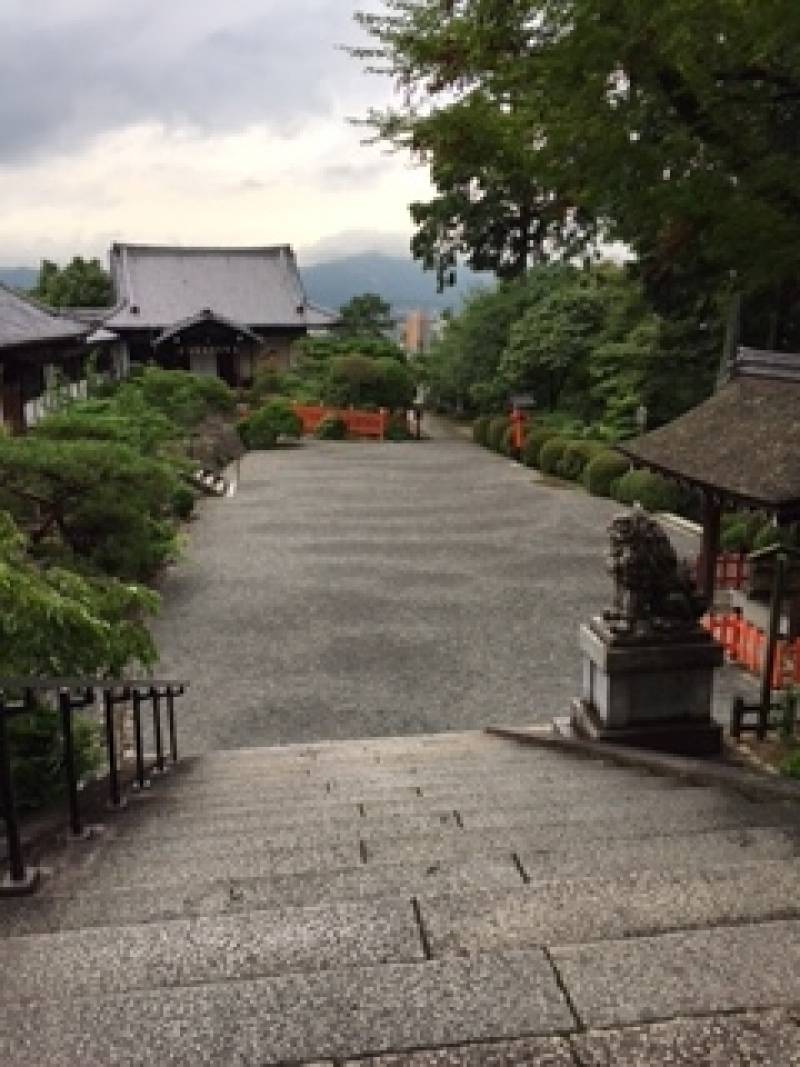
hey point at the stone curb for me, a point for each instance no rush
(692, 771)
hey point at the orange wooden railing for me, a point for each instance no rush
(358, 423)
(733, 570)
(746, 645)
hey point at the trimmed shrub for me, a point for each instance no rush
(550, 454)
(652, 491)
(603, 470)
(532, 446)
(332, 428)
(575, 458)
(183, 500)
(497, 428)
(263, 428)
(480, 429)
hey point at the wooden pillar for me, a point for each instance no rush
(712, 511)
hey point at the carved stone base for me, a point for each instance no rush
(678, 737)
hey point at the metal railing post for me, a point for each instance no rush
(156, 697)
(16, 863)
(173, 736)
(65, 709)
(115, 799)
(141, 782)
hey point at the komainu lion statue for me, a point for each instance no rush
(653, 591)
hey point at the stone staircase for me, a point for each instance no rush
(451, 899)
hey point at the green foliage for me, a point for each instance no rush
(790, 766)
(534, 439)
(363, 382)
(576, 456)
(183, 501)
(769, 535)
(496, 432)
(37, 764)
(264, 427)
(127, 420)
(603, 470)
(332, 428)
(102, 500)
(550, 454)
(480, 429)
(652, 491)
(367, 315)
(185, 399)
(82, 283)
(739, 530)
(54, 621)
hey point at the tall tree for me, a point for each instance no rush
(367, 315)
(82, 283)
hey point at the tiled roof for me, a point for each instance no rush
(207, 315)
(24, 322)
(158, 286)
(744, 441)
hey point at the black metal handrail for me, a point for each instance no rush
(17, 696)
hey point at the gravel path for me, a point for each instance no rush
(354, 590)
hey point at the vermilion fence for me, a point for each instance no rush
(746, 645)
(733, 570)
(359, 423)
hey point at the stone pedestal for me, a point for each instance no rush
(649, 692)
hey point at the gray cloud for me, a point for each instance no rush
(69, 71)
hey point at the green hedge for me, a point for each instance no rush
(332, 428)
(532, 445)
(601, 472)
(551, 453)
(507, 446)
(480, 430)
(496, 432)
(650, 490)
(575, 458)
(263, 428)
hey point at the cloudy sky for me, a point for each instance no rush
(191, 122)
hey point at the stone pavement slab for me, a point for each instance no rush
(702, 972)
(208, 949)
(750, 1039)
(347, 1012)
(592, 909)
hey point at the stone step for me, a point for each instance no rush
(688, 809)
(51, 909)
(253, 944)
(345, 1012)
(575, 910)
(699, 972)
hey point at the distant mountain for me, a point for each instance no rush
(400, 281)
(19, 277)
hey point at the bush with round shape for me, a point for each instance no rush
(496, 432)
(733, 537)
(550, 455)
(264, 427)
(480, 429)
(532, 445)
(183, 500)
(575, 457)
(603, 470)
(652, 491)
(332, 428)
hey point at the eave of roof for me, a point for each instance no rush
(742, 443)
(27, 323)
(206, 315)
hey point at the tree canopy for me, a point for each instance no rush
(367, 315)
(82, 283)
(671, 127)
